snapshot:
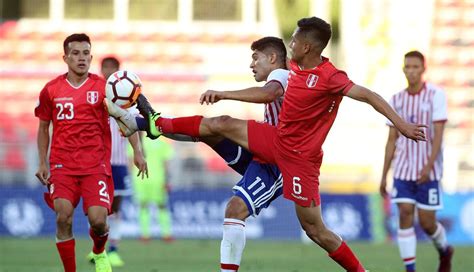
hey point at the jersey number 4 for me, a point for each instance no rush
(65, 111)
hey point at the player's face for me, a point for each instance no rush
(413, 69)
(108, 68)
(296, 46)
(78, 58)
(261, 65)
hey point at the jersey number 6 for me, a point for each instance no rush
(296, 185)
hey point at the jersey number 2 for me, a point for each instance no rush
(103, 190)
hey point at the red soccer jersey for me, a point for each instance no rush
(81, 134)
(310, 106)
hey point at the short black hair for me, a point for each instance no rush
(316, 29)
(274, 43)
(76, 37)
(416, 54)
(111, 59)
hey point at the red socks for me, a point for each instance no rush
(182, 125)
(67, 252)
(230, 267)
(345, 258)
(99, 241)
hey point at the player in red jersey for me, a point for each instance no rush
(79, 161)
(315, 90)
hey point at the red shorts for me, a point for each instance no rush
(300, 175)
(95, 189)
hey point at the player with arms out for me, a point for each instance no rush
(315, 90)
(418, 167)
(79, 161)
(120, 174)
(261, 182)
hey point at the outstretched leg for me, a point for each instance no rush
(194, 126)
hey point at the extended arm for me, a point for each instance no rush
(435, 149)
(389, 152)
(265, 94)
(43, 144)
(412, 131)
(138, 158)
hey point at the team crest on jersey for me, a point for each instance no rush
(92, 97)
(312, 80)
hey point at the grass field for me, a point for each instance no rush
(18, 255)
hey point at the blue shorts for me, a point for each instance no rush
(121, 180)
(260, 184)
(237, 157)
(426, 196)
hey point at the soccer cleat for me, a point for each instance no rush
(150, 115)
(90, 257)
(125, 120)
(445, 260)
(115, 260)
(102, 263)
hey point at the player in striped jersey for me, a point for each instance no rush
(418, 166)
(261, 183)
(120, 174)
(312, 97)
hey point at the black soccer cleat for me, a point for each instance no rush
(150, 115)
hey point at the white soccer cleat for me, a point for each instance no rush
(125, 120)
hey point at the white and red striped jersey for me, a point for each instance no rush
(119, 155)
(272, 110)
(426, 107)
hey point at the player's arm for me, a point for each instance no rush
(138, 158)
(389, 152)
(412, 131)
(265, 94)
(435, 149)
(43, 144)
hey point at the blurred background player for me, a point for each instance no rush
(119, 161)
(80, 151)
(152, 191)
(418, 166)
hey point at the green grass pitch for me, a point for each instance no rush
(39, 255)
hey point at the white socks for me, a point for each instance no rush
(439, 238)
(407, 245)
(114, 228)
(232, 244)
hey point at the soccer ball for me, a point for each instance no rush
(123, 88)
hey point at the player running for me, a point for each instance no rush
(80, 151)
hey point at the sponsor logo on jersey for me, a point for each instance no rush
(92, 97)
(312, 80)
(299, 197)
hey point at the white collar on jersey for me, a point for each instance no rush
(70, 84)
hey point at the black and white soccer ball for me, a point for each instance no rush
(123, 88)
